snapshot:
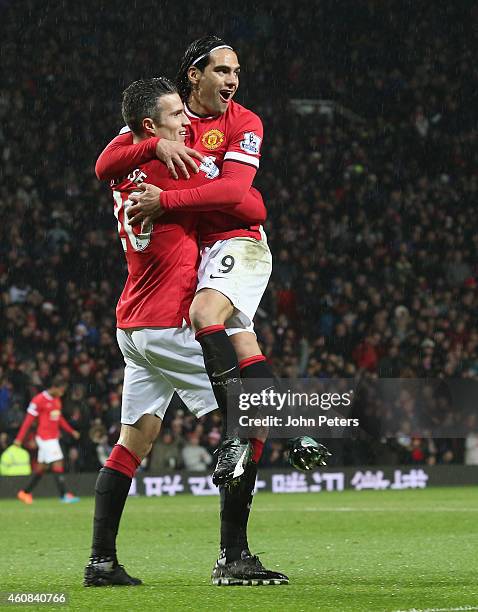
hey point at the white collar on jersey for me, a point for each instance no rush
(189, 112)
(47, 395)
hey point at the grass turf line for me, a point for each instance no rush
(352, 551)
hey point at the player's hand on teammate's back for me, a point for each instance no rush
(147, 205)
(174, 153)
(17, 442)
(76, 435)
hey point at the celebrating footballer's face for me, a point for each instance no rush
(152, 107)
(171, 121)
(214, 87)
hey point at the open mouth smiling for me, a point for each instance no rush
(226, 95)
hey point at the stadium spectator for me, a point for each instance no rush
(195, 456)
(103, 449)
(166, 453)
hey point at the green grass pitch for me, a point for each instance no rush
(371, 551)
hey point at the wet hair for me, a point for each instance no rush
(140, 100)
(197, 54)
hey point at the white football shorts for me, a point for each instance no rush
(48, 450)
(240, 269)
(158, 362)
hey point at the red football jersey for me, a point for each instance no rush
(163, 258)
(236, 135)
(47, 409)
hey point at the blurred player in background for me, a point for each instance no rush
(46, 407)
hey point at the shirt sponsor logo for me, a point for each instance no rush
(212, 139)
(251, 143)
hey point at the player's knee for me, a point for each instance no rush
(135, 442)
(203, 315)
(139, 437)
(210, 307)
(199, 319)
(199, 314)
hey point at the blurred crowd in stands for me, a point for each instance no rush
(371, 199)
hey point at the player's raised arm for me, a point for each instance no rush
(121, 156)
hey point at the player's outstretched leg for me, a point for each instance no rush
(236, 565)
(111, 491)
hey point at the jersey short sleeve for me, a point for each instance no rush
(246, 140)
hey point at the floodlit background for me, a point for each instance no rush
(368, 171)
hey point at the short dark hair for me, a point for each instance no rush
(58, 381)
(140, 100)
(201, 46)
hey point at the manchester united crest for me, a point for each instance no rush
(212, 139)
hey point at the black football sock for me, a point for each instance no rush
(221, 364)
(235, 508)
(60, 483)
(257, 376)
(34, 480)
(111, 491)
